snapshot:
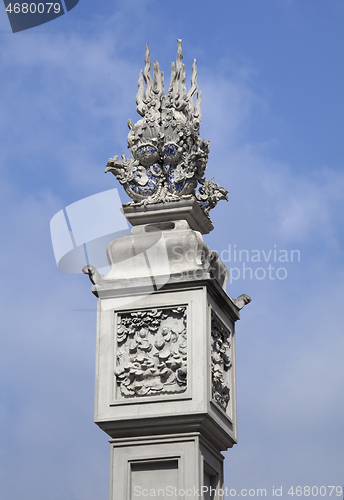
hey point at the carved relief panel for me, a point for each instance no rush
(221, 363)
(151, 352)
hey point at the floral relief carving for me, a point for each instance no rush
(220, 361)
(151, 352)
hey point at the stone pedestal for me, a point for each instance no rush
(176, 466)
(165, 369)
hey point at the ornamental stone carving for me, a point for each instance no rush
(169, 158)
(220, 361)
(151, 352)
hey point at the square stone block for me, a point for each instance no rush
(176, 466)
(166, 363)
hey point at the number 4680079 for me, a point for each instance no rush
(33, 8)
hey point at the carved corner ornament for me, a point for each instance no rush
(93, 274)
(151, 352)
(242, 300)
(168, 158)
(220, 362)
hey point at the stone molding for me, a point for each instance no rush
(188, 210)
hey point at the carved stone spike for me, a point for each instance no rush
(146, 74)
(194, 86)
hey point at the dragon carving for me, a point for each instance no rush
(168, 158)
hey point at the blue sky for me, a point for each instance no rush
(272, 77)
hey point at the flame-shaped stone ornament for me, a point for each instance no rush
(169, 158)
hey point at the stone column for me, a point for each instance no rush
(165, 371)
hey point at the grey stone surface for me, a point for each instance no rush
(185, 209)
(175, 466)
(165, 360)
(151, 352)
(153, 256)
(193, 401)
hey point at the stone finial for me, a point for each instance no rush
(168, 158)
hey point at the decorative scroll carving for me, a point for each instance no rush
(151, 352)
(220, 361)
(168, 156)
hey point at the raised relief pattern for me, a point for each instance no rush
(168, 158)
(151, 352)
(220, 362)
